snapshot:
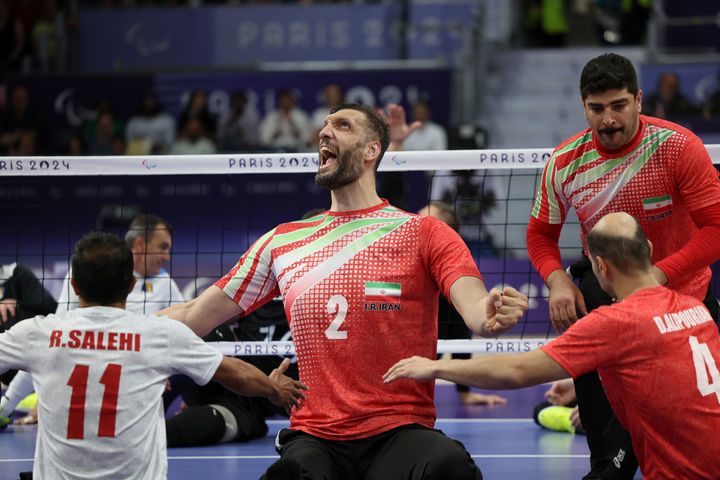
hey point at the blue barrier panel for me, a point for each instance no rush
(142, 39)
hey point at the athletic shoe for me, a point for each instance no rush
(27, 404)
(4, 422)
(556, 418)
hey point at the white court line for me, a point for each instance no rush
(271, 457)
(446, 420)
(485, 455)
(530, 455)
(484, 420)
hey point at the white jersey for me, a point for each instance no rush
(100, 374)
(149, 295)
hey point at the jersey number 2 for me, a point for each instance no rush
(706, 371)
(108, 411)
(338, 306)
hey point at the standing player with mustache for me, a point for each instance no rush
(658, 172)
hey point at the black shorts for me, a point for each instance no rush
(408, 452)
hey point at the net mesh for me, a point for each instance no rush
(218, 205)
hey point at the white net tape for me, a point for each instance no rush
(523, 158)
(484, 345)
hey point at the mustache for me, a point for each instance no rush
(610, 131)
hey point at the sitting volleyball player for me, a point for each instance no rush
(104, 370)
(149, 237)
(655, 349)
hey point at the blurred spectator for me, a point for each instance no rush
(238, 130)
(90, 126)
(197, 107)
(25, 144)
(547, 23)
(150, 130)
(118, 145)
(12, 40)
(193, 140)
(48, 38)
(430, 135)
(668, 102)
(286, 128)
(711, 108)
(101, 143)
(19, 117)
(333, 95)
(75, 146)
(633, 24)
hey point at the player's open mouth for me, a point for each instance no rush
(328, 156)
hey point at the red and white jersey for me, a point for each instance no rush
(658, 354)
(360, 291)
(664, 174)
(100, 374)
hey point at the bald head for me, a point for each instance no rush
(620, 241)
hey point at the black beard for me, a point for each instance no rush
(347, 170)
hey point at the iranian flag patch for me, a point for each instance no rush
(657, 208)
(375, 291)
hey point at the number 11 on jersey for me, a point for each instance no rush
(78, 381)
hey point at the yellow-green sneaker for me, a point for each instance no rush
(4, 422)
(27, 404)
(556, 418)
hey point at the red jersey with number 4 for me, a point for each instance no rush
(658, 354)
(661, 176)
(361, 292)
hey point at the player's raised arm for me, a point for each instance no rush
(245, 379)
(487, 313)
(211, 309)
(489, 371)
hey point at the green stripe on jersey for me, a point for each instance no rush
(334, 235)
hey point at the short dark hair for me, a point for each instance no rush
(376, 124)
(143, 226)
(102, 266)
(630, 255)
(608, 72)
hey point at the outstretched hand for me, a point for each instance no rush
(289, 392)
(418, 368)
(504, 309)
(561, 392)
(399, 128)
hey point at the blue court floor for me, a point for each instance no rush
(503, 440)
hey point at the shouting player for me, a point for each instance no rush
(360, 285)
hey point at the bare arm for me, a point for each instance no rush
(246, 379)
(487, 313)
(565, 298)
(504, 372)
(202, 314)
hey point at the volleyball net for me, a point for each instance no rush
(218, 205)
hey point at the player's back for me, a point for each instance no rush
(665, 384)
(99, 373)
